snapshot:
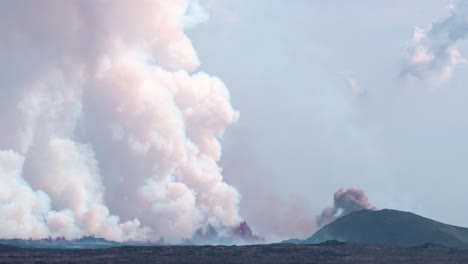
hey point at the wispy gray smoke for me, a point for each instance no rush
(273, 216)
(433, 55)
(345, 202)
(105, 129)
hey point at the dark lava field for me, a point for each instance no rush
(330, 252)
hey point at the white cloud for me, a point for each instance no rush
(433, 55)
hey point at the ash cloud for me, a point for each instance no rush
(345, 202)
(108, 130)
(433, 55)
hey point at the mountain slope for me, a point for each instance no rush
(390, 227)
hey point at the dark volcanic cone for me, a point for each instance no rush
(390, 227)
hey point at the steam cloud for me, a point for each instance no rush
(345, 202)
(105, 129)
(433, 55)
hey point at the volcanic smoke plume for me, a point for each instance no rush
(345, 202)
(107, 129)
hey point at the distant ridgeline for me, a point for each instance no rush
(240, 235)
(62, 243)
(390, 227)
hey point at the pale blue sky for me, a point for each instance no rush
(289, 66)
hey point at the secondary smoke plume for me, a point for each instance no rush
(106, 130)
(345, 202)
(433, 55)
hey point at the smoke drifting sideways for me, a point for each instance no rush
(106, 129)
(345, 202)
(433, 55)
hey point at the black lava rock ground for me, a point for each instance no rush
(328, 252)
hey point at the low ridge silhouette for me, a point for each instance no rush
(390, 227)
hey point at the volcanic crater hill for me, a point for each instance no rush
(390, 227)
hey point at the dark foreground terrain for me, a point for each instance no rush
(329, 252)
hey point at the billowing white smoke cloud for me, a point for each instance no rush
(105, 129)
(22, 210)
(433, 55)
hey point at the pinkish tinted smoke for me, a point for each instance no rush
(351, 200)
(345, 202)
(104, 142)
(244, 233)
